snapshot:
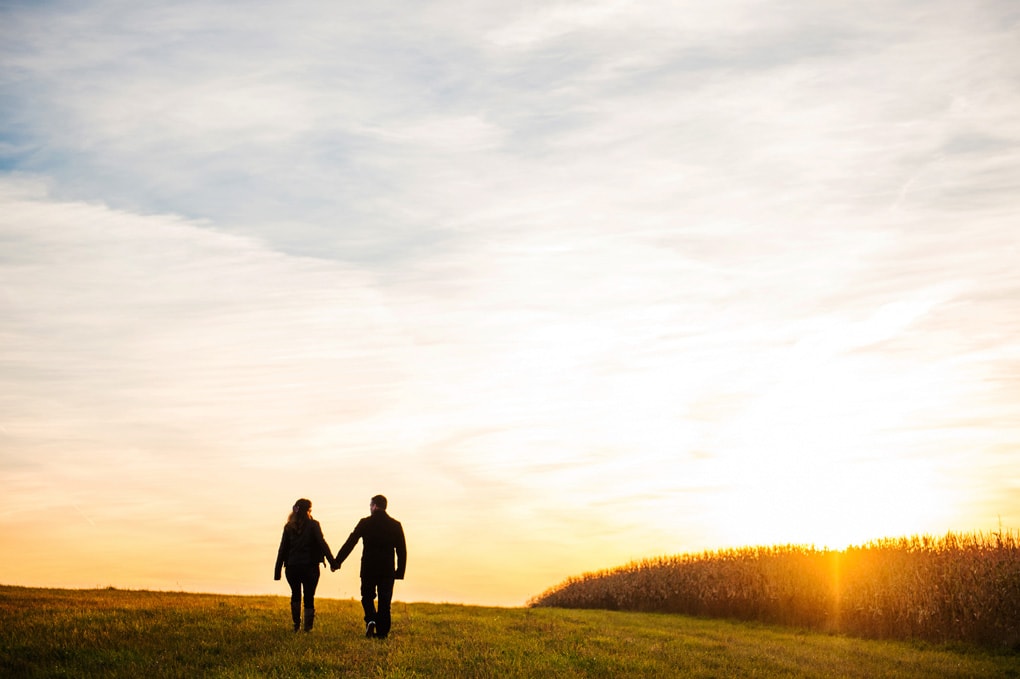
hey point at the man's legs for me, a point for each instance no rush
(368, 603)
(382, 620)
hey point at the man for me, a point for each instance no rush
(383, 537)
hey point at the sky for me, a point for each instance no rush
(571, 283)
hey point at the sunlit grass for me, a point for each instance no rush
(115, 633)
(959, 587)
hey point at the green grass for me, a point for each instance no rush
(115, 633)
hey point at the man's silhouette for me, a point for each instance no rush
(383, 538)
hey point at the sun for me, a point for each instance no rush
(817, 461)
(829, 504)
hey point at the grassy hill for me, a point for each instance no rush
(115, 633)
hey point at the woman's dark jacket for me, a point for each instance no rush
(302, 547)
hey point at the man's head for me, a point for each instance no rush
(378, 503)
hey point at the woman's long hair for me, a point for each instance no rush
(299, 515)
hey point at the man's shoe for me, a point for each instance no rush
(370, 629)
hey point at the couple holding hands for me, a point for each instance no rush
(303, 548)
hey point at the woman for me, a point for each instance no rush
(302, 549)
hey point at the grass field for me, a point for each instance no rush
(116, 633)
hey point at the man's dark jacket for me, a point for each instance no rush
(383, 537)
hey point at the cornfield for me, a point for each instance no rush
(959, 587)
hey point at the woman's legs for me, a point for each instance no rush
(303, 578)
(310, 581)
(294, 580)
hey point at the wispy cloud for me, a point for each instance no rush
(551, 266)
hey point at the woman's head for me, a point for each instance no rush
(301, 512)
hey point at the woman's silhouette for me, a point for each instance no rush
(302, 549)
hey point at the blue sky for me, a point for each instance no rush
(572, 283)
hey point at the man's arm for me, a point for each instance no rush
(401, 548)
(348, 547)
